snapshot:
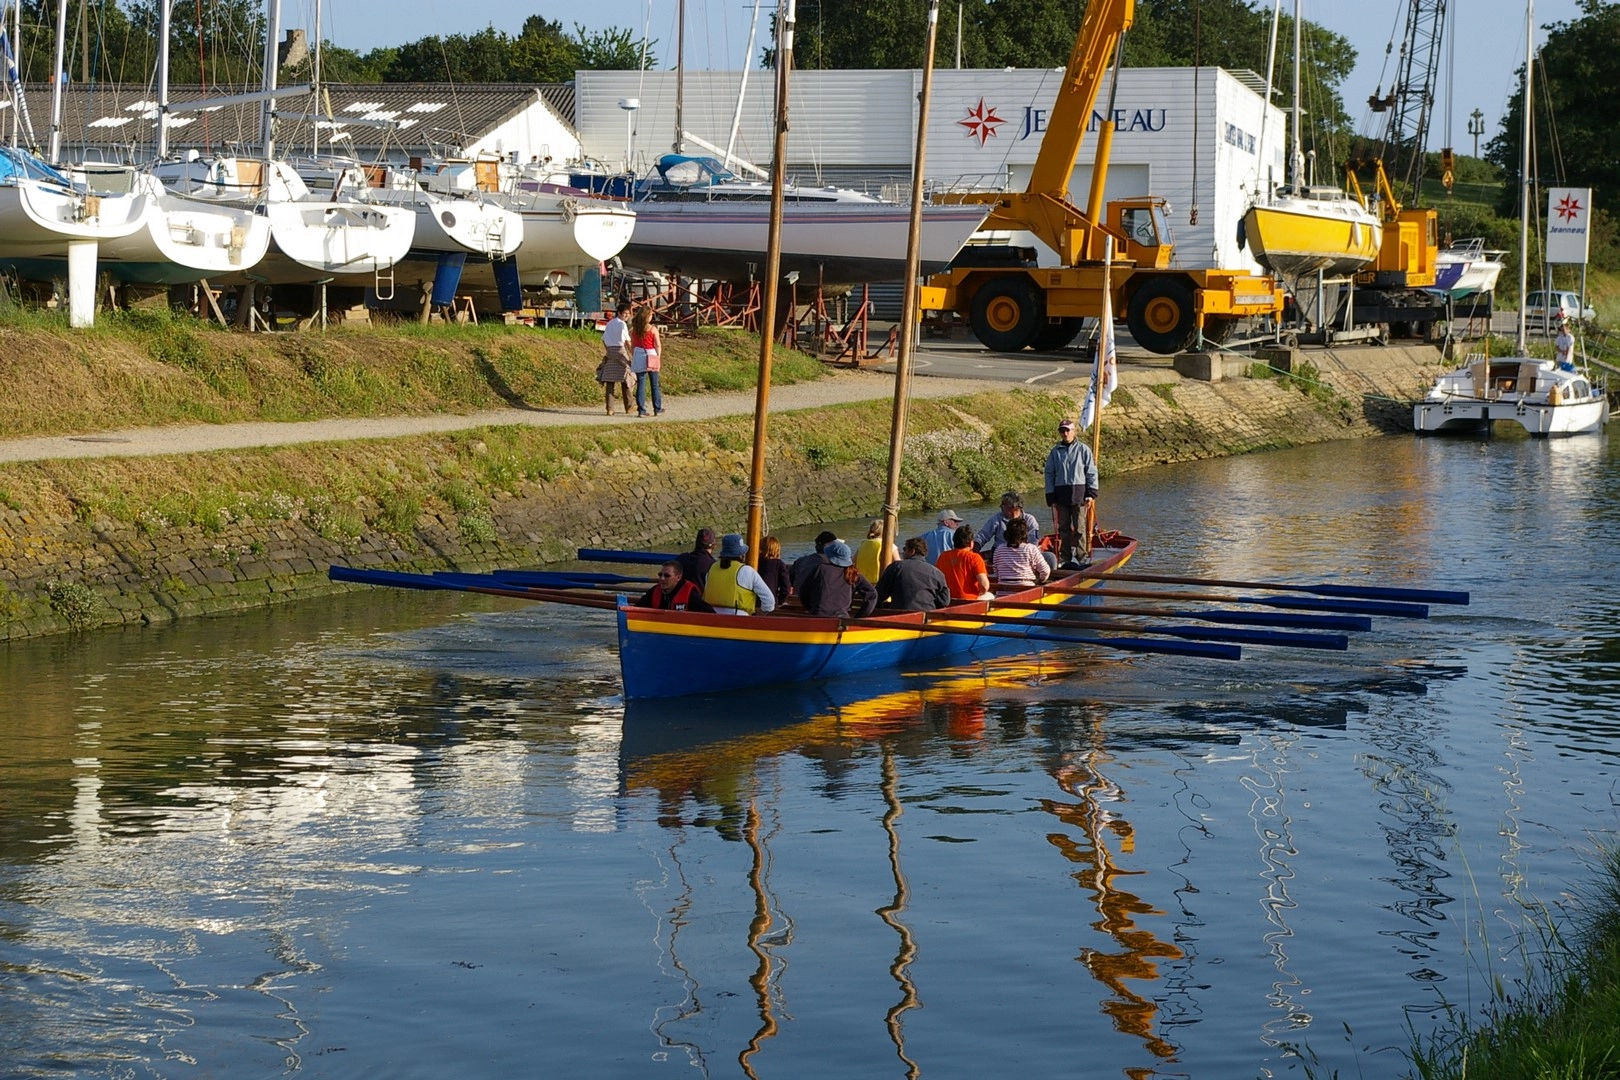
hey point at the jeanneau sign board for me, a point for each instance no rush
(1569, 218)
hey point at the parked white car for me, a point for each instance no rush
(1553, 306)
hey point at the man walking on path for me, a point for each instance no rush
(1071, 491)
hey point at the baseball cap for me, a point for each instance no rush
(1066, 425)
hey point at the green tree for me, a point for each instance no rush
(612, 50)
(543, 53)
(482, 57)
(1575, 140)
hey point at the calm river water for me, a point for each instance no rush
(416, 835)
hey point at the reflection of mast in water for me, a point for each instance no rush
(1273, 828)
(900, 970)
(1132, 1013)
(762, 940)
(689, 1006)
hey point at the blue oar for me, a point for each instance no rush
(1241, 618)
(1363, 592)
(1209, 651)
(1282, 639)
(475, 583)
(566, 579)
(651, 558)
(1300, 603)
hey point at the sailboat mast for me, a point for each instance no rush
(908, 306)
(160, 139)
(680, 83)
(773, 273)
(742, 88)
(1296, 163)
(267, 110)
(59, 58)
(1524, 169)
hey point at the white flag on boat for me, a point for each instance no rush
(1105, 373)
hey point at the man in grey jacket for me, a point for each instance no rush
(1071, 492)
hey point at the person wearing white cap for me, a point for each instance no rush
(1071, 492)
(733, 587)
(943, 538)
(833, 588)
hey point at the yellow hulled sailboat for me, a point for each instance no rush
(1298, 229)
(1294, 232)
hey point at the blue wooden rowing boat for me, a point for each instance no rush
(675, 653)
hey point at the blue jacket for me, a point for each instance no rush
(1071, 474)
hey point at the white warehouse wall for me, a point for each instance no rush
(1191, 136)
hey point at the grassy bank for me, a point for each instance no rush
(154, 368)
(1563, 1021)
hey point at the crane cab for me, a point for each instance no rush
(1141, 228)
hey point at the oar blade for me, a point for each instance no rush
(1282, 639)
(1370, 592)
(564, 579)
(1356, 607)
(650, 558)
(1278, 618)
(393, 578)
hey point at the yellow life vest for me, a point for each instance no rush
(722, 591)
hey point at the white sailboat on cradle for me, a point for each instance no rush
(1543, 396)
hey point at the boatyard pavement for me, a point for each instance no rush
(836, 388)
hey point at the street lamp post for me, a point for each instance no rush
(630, 105)
(1476, 128)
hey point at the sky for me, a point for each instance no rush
(1488, 47)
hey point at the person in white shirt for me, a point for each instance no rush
(614, 370)
(733, 587)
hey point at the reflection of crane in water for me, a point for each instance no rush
(1094, 821)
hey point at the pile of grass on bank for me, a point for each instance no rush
(1565, 1022)
(984, 443)
(153, 367)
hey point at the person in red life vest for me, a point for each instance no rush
(673, 592)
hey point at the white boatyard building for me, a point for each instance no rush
(1192, 136)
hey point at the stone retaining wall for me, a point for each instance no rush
(59, 573)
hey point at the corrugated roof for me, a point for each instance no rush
(560, 96)
(426, 118)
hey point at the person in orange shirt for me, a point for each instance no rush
(964, 569)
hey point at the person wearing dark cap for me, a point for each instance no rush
(834, 588)
(695, 563)
(942, 537)
(1071, 492)
(805, 563)
(733, 587)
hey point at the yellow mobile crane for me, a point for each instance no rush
(1011, 304)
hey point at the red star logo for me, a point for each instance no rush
(1568, 208)
(981, 122)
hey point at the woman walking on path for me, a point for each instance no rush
(645, 361)
(614, 370)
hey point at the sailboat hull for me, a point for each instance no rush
(1296, 237)
(834, 243)
(41, 219)
(674, 653)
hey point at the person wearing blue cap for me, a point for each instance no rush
(833, 588)
(733, 587)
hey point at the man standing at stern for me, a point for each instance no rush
(1071, 492)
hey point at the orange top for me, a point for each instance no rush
(962, 567)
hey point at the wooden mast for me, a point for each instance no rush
(773, 271)
(908, 307)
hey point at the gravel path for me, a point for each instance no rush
(834, 389)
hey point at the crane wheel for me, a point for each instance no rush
(1008, 314)
(1161, 316)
